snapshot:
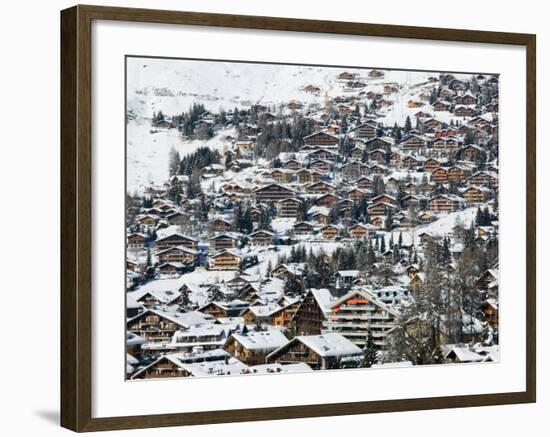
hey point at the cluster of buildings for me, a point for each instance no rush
(212, 296)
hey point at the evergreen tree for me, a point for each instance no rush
(173, 162)
(370, 354)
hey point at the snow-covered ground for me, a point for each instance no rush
(147, 153)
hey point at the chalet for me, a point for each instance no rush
(358, 312)
(378, 155)
(176, 239)
(355, 194)
(366, 130)
(483, 178)
(289, 270)
(310, 315)
(378, 221)
(377, 169)
(292, 164)
(252, 348)
(320, 352)
(490, 312)
(289, 207)
(395, 160)
(321, 139)
(464, 111)
(225, 260)
(442, 133)
(357, 152)
(476, 195)
(376, 74)
(384, 198)
(282, 175)
(261, 238)
(178, 254)
(359, 231)
(320, 187)
(183, 365)
(159, 326)
(322, 154)
(220, 225)
(354, 169)
(261, 314)
(381, 208)
(440, 175)
(411, 200)
(320, 216)
(294, 105)
(224, 241)
(136, 240)
(240, 187)
(170, 269)
(326, 200)
(445, 144)
(465, 99)
(147, 222)
(413, 142)
(441, 105)
(410, 162)
(445, 203)
(472, 152)
(220, 310)
(302, 229)
(346, 76)
(329, 232)
(321, 166)
(433, 163)
(273, 193)
(305, 175)
(150, 298)
(414, 104)
(364, 183)
(456, 173)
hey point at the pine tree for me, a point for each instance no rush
(173, 162)
(408, 125)
(370, 354)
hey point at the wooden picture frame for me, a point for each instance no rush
(76, 217)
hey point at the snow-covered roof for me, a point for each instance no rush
(261, 340)
(329, 345)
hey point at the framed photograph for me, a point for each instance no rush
(268, 218)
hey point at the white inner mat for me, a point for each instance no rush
(112, 396)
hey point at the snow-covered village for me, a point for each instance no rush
(285, 218)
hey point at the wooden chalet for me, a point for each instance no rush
(253, 347)
(309, 318)
(320, 352)
(178, 254)
(302, 229)
(223, 241)
(329, 232)
(476, 195)
(440, 175)
(327, 200)
(413, 142)
(359, 231)
(136, 240)
(445, 203)
(289, 207)
(366, 130)
(261, 238)
(273, 193)
(321, 139)
(225, 260)
(176, 240)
